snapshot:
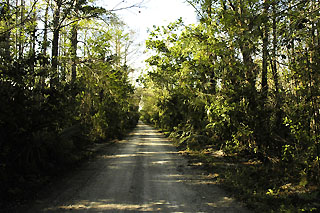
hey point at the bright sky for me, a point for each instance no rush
(152, 12)
(155, 12)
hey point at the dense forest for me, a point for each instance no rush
(63, 85)
(245, 80)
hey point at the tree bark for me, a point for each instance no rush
(274, 68)
(20, 42)
(265, 40)
(55, 43)
(33, 42)
(274, 49)
(6, 40)
(74, 46)
(45, 33)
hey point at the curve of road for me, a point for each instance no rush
(143, 173)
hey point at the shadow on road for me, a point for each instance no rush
(145, 174)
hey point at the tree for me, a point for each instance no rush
(245, 77)
(50, 112)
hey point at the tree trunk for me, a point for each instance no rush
(265, 40)
(209, 10)
(20, 42)
(274, 49)
(274, 68)
(55, 43)
(63, 54)
(6, 36)
(33, 42)
(45, 32)
(250, 68)
(312, 70)
(44, 62)
(74, 47)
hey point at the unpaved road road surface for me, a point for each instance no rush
(143, 173)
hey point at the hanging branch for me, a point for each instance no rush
(194, 6)
(115, 9)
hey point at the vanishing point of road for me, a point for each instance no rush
(143, 173)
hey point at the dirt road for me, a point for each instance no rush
(144, 173)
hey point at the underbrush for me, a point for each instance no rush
(265, 186)
(43, 159)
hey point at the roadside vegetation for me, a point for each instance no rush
(243, 82)
(64, 86)
(238, 92)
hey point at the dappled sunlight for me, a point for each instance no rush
(147, 174)
(150, 206)
(225, 201)
(151, 142)
(144, 132)
(118, 156)
(154, 144)
(110, 205)
(162, 162)
(156, 138)
(137, 154)
(148, 136)
(192, 179)
(151, 153)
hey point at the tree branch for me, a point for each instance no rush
(27, 18)
(197, 10)
(115, 9)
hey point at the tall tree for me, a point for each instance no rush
(265, 54)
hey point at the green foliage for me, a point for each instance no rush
(244, 80)
(48, 117)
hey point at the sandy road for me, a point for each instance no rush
(144, 173)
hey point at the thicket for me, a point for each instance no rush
(244, 80)
(63, 85)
